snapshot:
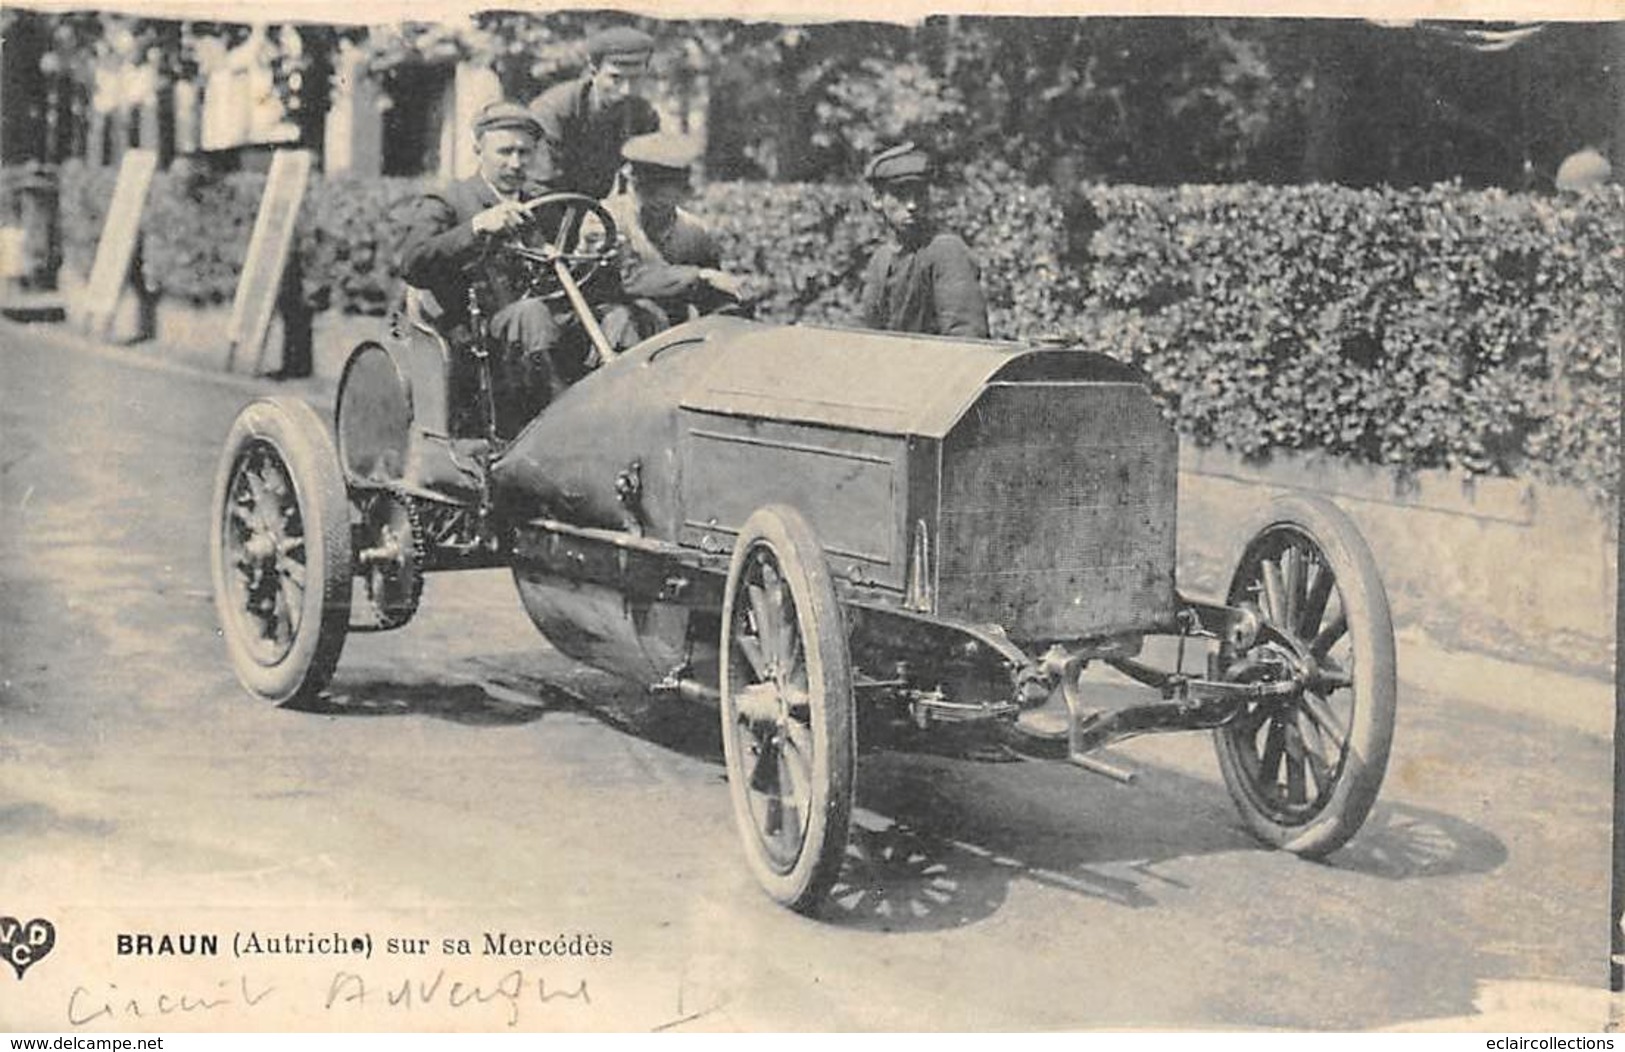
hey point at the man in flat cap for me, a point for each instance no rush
(586, 121)
(670, 264)
(444, 250)
(925, 280)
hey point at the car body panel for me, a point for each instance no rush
(988, 483)
(849, 379)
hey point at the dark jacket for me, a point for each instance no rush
(441, 253)
(664, 265)
(933, 288)
(580, 151)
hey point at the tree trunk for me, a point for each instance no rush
(1616, 59)
(316, 93)
(1323, 145)
(22, 122)
(792, 139)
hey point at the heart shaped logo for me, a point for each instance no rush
(22, 945)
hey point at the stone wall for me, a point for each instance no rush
(1516, 569)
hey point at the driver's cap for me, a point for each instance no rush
(505, 115)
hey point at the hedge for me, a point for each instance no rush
(1477, 331)
(1421, 328)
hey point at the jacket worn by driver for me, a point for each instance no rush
(441, 252)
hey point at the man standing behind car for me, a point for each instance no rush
(670, 263)
(445, 247)
(586, 121)
(925, 281)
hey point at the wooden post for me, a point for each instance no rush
(116, 251)
(262, 283)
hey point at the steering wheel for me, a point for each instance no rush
(583, 238)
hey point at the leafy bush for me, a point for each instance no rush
(812, 241)
(348, 233)
(812, 261)
(195, 235)
(1421, 328)
(1474, 331)
(82, 207)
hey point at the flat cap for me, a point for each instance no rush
(662, 153)
(902, 162)
(619, 42)
(502, 115)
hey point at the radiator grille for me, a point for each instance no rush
(1057, 512)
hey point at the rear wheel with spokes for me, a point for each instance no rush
(1304, 767)
(787, 718)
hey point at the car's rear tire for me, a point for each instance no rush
(280, 550)
(788, 729)
(1304, 769)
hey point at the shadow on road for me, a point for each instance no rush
(1402, 842)
(469, 704)
(510, 698)
(898, 877)
(937, 843)
(31, 819)
(683, 727)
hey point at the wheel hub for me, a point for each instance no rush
(263, 552)
(261, 548)
(762, 704)
(392, 566)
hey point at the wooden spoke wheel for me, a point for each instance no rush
(787, 713)
(1304, 768)
(281, 550)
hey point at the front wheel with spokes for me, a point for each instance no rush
(281, 550)
(788, 729)
(1304, 767)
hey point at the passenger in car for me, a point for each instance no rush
(670, 263)
(925, 280)
(586, 121)
(443, 252)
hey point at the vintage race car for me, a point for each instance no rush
(828, 534)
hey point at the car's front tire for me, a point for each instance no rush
(788, 728)
(280, 550)
(1304, 769)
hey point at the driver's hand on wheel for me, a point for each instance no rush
(728, 284)
(501, 218)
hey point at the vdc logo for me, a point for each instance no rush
(22, 945)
